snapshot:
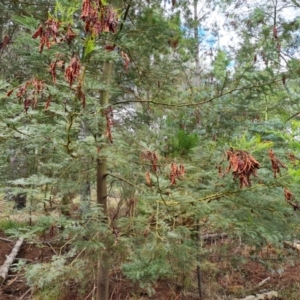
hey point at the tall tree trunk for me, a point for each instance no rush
(199, 279)
(1, 27)
(103, 263)
(196, 36)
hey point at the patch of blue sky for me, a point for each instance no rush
(230, 65)
(207, 40)
(206, 37)
(210, 39)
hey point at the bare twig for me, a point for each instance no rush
(48, 244)
(25, 294)
(263, 281)
(6, 240)
(12, 281)
(90, 293)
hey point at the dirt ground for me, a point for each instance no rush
(15, 285)
(235, 274)
(229, 270)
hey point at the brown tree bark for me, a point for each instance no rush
(103, 262)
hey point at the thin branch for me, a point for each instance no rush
(25, 294)
(48, 244)
(186, 104)
(123, 179)
(293, 116)
(296, 3)
(123, 21)
(87, 297)
(6, 240)
(217, 196)
(17, 130)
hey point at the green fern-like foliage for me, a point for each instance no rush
(164, 118)
(182, 143)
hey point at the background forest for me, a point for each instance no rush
(133, 133)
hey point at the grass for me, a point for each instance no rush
(291, 292)
(10, 224)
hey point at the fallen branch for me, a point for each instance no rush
(25, 294)
(263, 281)
(9, 260)
(10, 282)
(6, 240)
(269, 295)
(294, 245)
(48, 244)
(213, 236)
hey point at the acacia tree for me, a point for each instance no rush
(184, 155)
(67, 71)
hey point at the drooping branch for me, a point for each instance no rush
(190, 104)
(219, 195)
(123, 179)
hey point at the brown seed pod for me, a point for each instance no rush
(243, 165)
(276, 163)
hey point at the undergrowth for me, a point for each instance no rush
(8, 224)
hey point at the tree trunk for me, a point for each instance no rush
(20, 200)
(103, 278)
(66, 204)
(1, 27)
(196, 36)
(199, 277)
(103, 262)
(9, 260)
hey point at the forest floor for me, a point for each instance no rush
(229, 270)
